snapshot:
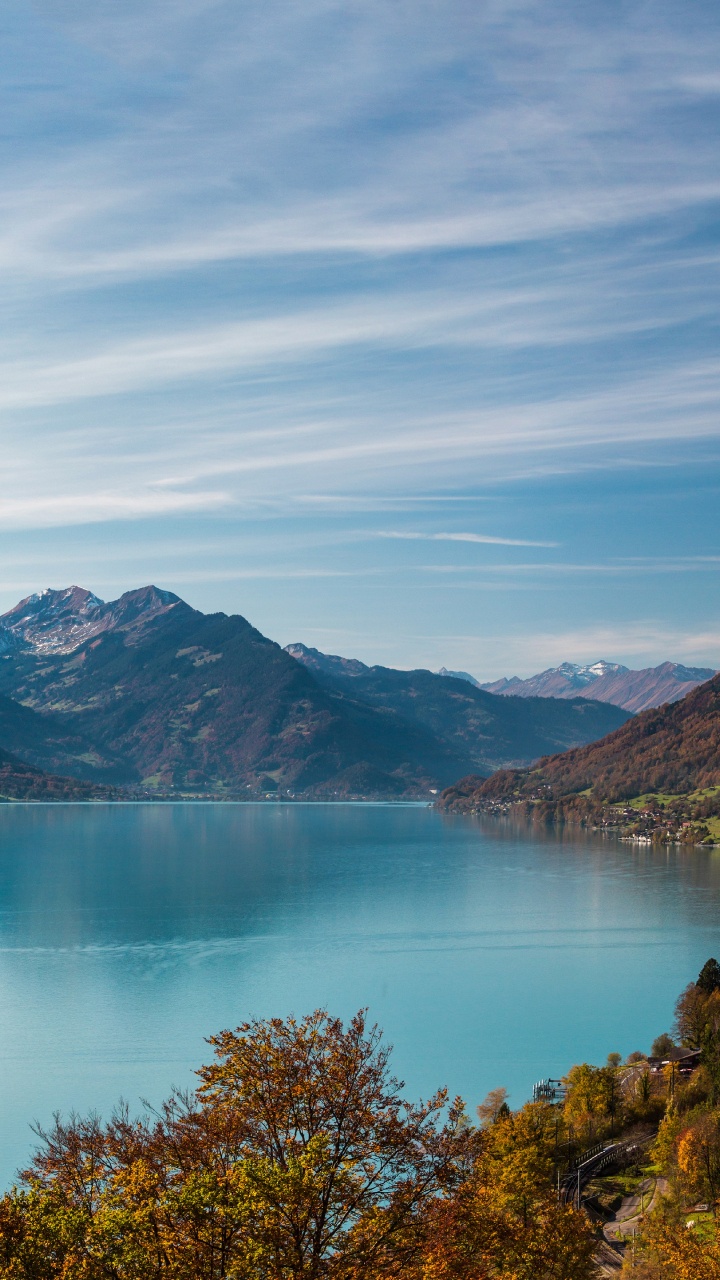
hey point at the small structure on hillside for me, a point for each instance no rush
(549, 1091)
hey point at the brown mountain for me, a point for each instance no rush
(670, 750)
(608, 682)
(199, 704)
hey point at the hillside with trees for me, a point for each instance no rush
(470, 721)
(660, 772)
(20, 781)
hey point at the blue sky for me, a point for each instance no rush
(392, 326)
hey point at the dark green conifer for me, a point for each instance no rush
(709, 977)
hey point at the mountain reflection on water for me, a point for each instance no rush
(491, 954)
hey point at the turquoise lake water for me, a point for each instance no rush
(490, 956)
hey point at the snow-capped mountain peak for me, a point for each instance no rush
(583, 674)
(58, 621)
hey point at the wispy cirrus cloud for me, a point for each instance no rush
(188, 463)
(50, 510)
(580, 569)
(32, 245)
(482, 538)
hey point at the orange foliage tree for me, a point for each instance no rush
(698, 1157)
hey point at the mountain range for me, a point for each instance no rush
(471, 722)
(664, 763)
(606, 682)
(149, 695)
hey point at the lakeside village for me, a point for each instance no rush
(654, 819)
(299, 1158)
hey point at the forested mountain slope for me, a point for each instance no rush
(53, 742)
(21, 781)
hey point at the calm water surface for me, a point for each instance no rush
(490, 956)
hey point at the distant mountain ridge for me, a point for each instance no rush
(460, 675)
(470, 721)
(607, 682)
(601, 681)
(147, 693)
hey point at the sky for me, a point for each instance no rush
(391, 326)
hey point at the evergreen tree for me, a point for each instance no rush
(709, 977)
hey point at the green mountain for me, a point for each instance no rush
(148, 692)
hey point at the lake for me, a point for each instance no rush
(490, 955)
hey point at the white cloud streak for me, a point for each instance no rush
(52, 510)
(29, 245)
(482, 538)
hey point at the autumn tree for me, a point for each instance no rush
(697, 1014)
(661, 1045)
(709, 977)
(477, 1234)
(517, 1156)
(664, 1147)
(698, 1157)
(697, 1022)
(493, 1107)
(592, 1097)
(336, 1158)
